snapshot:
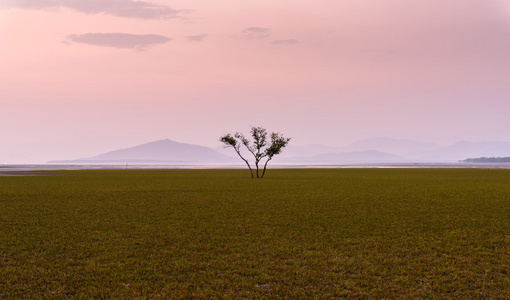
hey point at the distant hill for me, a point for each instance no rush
(487, 160)
(370, 151)
(463, 150)
(163, 151)
(406, 148)
(368, 156)
(392, 150)
(359, 156)
(430, 152)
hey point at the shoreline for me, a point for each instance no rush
(11, 168)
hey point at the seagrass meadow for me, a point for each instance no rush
(300, 233)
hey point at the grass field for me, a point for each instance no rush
(324, 233)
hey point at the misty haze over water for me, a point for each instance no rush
(56, 167)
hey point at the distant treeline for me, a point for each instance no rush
(487, 159)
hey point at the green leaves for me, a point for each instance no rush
(229, 140)
(278, 142)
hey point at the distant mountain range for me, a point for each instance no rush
(370, 151)
(366, 156)
(163, 151)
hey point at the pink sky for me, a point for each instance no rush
(79, 78)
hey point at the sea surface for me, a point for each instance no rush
(15, 169)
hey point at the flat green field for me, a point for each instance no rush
(312, 233)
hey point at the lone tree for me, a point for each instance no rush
(259, 148)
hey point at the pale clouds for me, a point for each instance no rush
(196, 38)
(118, 8)
(256, 32)
(139, 42)
(29, 4)
(430, 70)
(285, 42)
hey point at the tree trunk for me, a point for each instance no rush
(265, 166)
(249, 167)
(247, 163)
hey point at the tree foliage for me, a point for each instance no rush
(487, 160)
(259, 147)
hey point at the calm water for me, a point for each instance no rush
(47, 167)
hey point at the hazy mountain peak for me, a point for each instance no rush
(161, 151)
(401, 147)
(369, 150)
